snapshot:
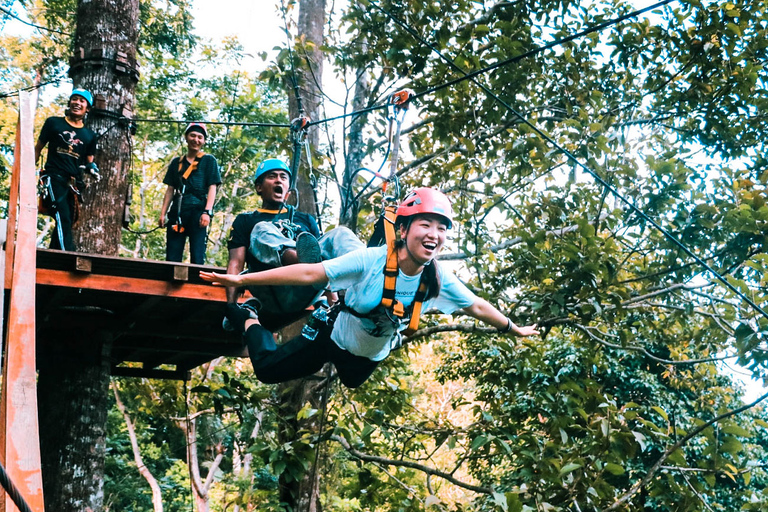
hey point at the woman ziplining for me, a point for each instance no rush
(382, 291)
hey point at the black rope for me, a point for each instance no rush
(669, 236)
(12, 491)
(539, 49)
(534, 51)
(9, 13)
(221, 123)
(32, 87)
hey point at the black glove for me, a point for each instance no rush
(93, 170)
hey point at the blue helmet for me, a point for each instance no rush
(271, 164)
(84, 94)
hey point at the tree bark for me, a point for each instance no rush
(73, 381)
(308, 63)
(356, 151)
(304, 495)
(104, 62)
(73, 387)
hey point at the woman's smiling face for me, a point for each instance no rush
(424, 237)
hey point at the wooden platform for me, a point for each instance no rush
(163, 319)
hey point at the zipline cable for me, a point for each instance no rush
(539, 49)
(32, 87)
(9, 13)
(219, 123)
(13, 491)
(534, 51)
(669, 236)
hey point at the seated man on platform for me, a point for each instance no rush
(272, 236)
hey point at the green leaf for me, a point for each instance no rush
(478, 442)
(614, 469)
(571, 466)
(736, 431)
(661, 412)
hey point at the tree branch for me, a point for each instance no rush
(669, 451)
(157, 495)
(586, 330)
(365, 457)
(516, 240)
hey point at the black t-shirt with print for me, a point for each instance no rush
(240, 234)
(67, 146)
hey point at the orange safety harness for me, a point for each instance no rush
(178, 226)
(391, 271)
(191, 167)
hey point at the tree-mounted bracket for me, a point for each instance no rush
(97, 57)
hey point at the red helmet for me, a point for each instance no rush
(197, 127)
(425, 200)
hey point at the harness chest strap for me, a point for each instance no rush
(191, 167)
(391, 271)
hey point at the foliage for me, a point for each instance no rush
(665, 107)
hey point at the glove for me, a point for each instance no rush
(93, 170)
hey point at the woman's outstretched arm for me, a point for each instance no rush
(301, 274)
(484, 311)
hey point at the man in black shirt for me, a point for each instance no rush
(188, 203)
(268, 237)
(71, 148)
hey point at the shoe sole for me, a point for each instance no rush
(307, 248)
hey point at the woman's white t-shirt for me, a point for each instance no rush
(361, 274)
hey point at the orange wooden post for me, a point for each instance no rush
(19, 435)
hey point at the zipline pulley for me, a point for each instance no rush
(397, 107)
(299, 128)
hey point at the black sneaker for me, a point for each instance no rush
(307, 248)
(235, 317)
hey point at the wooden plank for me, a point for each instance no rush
(13, 203)
(3, 223)
(131, 285)
(180, 273)
(83, 264)
(20, 441)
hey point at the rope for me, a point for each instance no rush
(221, 123)
(12, 491)
(669, 236)
(9, 13)
(32, 87)
(534, 51)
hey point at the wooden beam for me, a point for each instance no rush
(120, 284)
(19, 429)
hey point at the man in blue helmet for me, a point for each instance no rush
(187, 207)
(273, 235)
(71, 149)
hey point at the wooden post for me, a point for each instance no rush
(19, 439)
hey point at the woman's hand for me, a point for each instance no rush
(527, 330)
(221, 279)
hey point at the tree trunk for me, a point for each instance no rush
(73, 387)
(355, 151)
(308, 62)
(104, 62)
(74, 378)
(302, 496)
